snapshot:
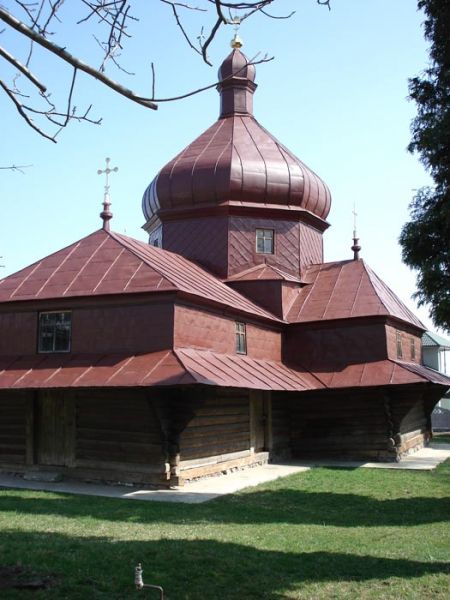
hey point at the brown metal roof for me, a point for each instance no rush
(234, 370)
(188, 366)
(264, 272)
(346, 289)
(81, 370)
(179, 367)
(109, 263)
(236, 161)
(380, 373)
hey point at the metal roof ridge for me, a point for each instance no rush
(372, 275)
(39, 261)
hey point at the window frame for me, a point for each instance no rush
(40, 332)
(264, 239)
(399, 343)
(412, 349)
(240, 337)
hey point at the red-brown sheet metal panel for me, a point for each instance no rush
(242, 371)
(425, 372)
(264, 272)
(78, 371)
(343, 290)
(97, 264)
(190, 278)
(380, 373)
(109, 263)
(393, 304)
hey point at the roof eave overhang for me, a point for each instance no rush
(227, 310)
(238, 208)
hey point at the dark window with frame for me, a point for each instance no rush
(55, 329)
(241, 338)
(399, 344)
(413, 349)
(265, 241)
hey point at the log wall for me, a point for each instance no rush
(118, 429)
(411, 421)
(220, 426)
(350, 425)
(281, 427)
(14, 427)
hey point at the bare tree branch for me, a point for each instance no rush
(112, 17)
(23, 69)
(212, 85)
(23, 114)
(16, 168)
(72, 60)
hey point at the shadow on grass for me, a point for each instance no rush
(100, 567)
(277, 506)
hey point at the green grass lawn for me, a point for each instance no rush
(441, 438)
(323, 534)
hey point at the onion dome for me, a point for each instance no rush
(236, 162)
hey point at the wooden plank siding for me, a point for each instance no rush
(117, 428)
(351, 425)
(221, 426)
(13, 427)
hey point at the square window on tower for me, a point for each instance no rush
(265, 241)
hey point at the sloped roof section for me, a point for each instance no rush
(95, 265)
(187, 366)
(92, 371)
(378, 373)
(232, 370)
(110, 263)
(346, 289)
(180, 367)
(431, 339)
(264, 272)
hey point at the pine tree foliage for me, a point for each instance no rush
(425, 239)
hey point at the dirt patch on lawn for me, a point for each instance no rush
(21, 578)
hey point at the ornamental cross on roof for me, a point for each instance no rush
(106, 215)
(356, 247)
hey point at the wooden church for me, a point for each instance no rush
(225, 342)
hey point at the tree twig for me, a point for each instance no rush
(23, 69)
(72, 60)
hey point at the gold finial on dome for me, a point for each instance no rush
(236, 42)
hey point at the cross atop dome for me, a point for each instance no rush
(106, 215)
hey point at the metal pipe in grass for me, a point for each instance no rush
(139, 582)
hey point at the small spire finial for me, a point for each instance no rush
(106, 214)
(356, 247)
(236, 42)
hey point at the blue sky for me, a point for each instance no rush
(335, 95)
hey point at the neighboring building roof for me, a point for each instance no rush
(346, 289)
(431, 339)
(109, 263)
(236, 161)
